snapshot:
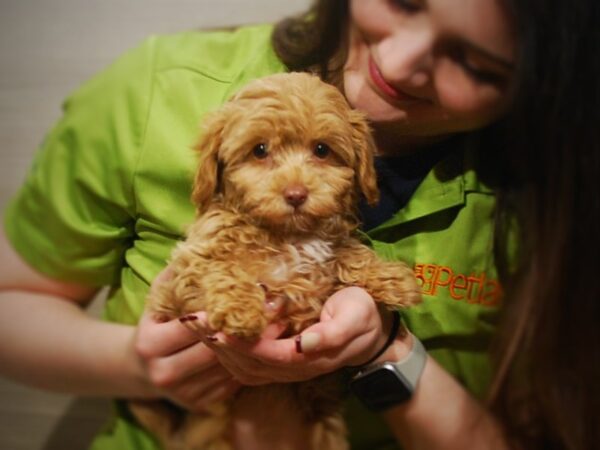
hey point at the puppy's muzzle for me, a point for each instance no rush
(295, 195)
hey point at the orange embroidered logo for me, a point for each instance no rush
(473, 288)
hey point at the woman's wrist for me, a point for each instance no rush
(398, 349)
(117, 365)
(391, 324)
(135, 369)
(392, 378)
(395, 341)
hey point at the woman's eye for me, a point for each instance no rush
(322, 151)
(260, 151)
(480, 75)
(407, 5)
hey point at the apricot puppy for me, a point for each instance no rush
(283, 165)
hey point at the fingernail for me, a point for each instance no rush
(307, 342)
(188, 318)
(211, 338)
(298, 342)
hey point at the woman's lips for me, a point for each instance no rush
(385, 87)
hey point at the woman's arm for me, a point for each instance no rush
(47, 340)
(441, 415)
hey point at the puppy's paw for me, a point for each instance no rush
(401, 290)
(241, 312)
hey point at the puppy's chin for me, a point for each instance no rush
(294, 222)
(291, 221)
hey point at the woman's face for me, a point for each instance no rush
(429, 67)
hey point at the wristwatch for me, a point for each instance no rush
(387, 384)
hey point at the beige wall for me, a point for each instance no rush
(47, 48)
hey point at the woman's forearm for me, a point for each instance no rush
(52, 343)
(442, 415)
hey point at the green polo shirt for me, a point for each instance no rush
(107, 198)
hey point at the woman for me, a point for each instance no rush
(443, 82)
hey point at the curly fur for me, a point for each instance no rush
(254, 242)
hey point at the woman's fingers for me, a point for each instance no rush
(349, 332)
(165, 371)
(350, 317)
(156, 338)
(283, 365)
(177, 364)
(349, 329)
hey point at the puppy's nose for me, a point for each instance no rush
(295, 195)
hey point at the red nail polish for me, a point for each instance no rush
(298, 342)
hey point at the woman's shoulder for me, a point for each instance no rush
(224, 55)
(220, 54)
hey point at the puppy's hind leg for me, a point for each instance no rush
(206, 431)
(158, 418)
(329, 434)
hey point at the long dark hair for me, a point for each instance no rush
(314, 41)
(548, 365)
(547, 170)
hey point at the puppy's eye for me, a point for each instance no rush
(260, 151)
(321, 150)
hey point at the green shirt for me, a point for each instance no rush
(107, 198)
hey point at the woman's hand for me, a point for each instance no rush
(175, 364)
(351, 330)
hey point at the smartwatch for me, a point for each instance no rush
(387, 384)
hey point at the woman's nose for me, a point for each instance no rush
(406, 57)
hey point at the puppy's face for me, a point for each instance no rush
(288, 151)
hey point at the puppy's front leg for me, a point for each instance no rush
(235, 301)
(390, 282)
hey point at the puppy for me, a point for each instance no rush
(283, 165)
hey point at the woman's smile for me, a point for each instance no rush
(387, 89)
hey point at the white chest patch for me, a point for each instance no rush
(301, 258)
(317, 250)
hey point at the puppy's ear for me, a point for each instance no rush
(207, 179)
(365, 149)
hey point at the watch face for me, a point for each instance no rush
(381, 388)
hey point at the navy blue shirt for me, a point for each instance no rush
(397, 178)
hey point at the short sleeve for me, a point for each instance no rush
(73, 217)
